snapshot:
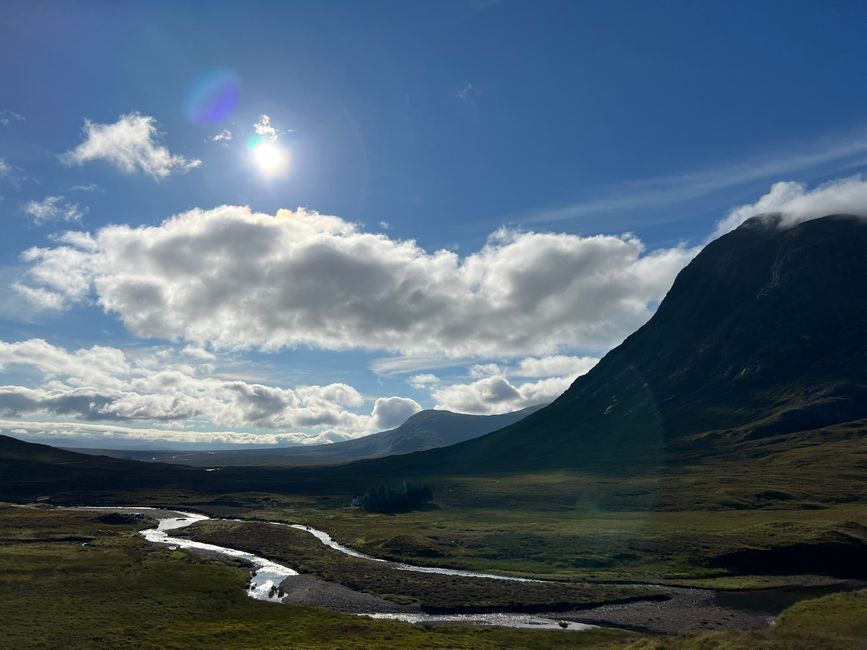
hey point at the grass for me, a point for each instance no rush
(670, 525)
(119, 592)
(432, 592)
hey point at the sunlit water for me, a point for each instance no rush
(266, 576)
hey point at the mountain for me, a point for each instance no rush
(762, 334)
(424, 430)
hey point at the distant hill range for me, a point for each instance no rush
(425, 430)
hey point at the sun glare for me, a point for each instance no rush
(269, 158)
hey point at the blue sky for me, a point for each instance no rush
(524, 140)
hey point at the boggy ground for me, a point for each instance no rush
(433, 593)
(68, 579)
(771, 509)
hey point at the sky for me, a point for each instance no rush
(262, 223)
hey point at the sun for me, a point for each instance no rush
(269, 158)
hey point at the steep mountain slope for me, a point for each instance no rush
(763, 333)
(424, 430)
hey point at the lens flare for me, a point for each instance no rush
(213, 97)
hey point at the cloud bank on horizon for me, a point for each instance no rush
(103, 384)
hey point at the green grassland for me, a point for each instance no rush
(432, 592)
(673, 524)
(69, 580)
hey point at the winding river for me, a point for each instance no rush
(267, 576)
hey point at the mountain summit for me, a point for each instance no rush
(763, 333)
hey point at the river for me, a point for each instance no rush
(267, 576)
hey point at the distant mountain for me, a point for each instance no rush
(425, 430)
(763, 333)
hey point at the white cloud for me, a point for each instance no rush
(224, 137)
(233, 278)
(101, 384)
(8, 117)
(87, 187)
(132, 144)
(53, 208)
(480, 370)
(495, 395)
(494, 392)
(10, 173)
(391, 412)
(77, 432)
(263, 127)
(796, 203)
(423, 380)
(198, 353)
(560, 365)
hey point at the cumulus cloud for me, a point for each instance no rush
(391, 412)
(53, 208)
(263, 127)
(796, 203)
(495, 395)
(559, 364)
(4, 168)
(132, 144)
(495, 390)
(107, 384)
(234, 278)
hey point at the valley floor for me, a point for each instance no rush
(767, 530)
(69, 578)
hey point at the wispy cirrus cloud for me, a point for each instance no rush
(678, 188)
(132, 144)
(10, 117)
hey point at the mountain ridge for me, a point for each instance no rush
(427, 429)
